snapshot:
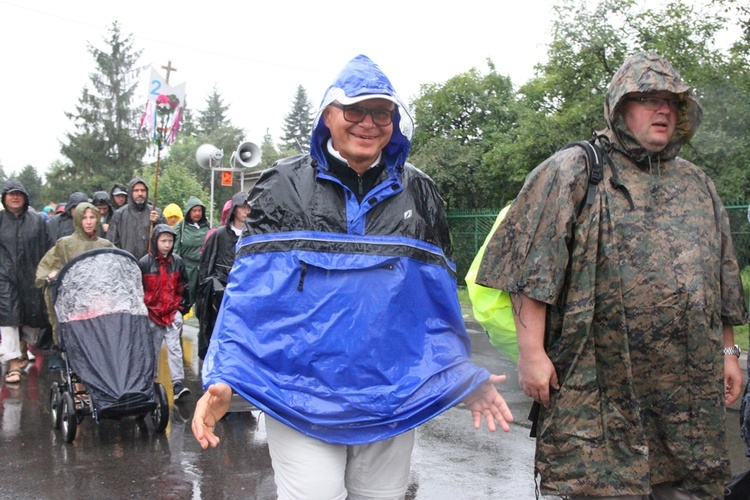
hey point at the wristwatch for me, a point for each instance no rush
(732, 351)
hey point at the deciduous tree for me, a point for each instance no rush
(458, 122)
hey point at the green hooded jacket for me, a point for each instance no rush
(190, 238)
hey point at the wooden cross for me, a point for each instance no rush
(169, 69)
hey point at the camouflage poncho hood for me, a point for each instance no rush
(649, 72)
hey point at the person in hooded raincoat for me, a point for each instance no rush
(86, 221)
(166, 295)
(62, 224)
(101, 201)
(341, 318)
(23, 242)
(216, 261)
(130, 227)
(118, 195)
(173, 214)
(224, 214)
(625, 312)
(191, 233)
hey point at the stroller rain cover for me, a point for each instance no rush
(103, 326)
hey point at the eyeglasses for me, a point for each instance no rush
(655, 103)
(356, 114)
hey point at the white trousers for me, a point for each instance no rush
(170, 334)
(10, 345)
(310, 469)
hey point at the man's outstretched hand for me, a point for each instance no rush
(486, 400)
(208, 410)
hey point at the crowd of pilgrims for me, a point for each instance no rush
(184, 260)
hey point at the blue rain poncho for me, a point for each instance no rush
(341, 319)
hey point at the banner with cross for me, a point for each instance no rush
(161, 118)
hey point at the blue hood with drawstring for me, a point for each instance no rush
(340, 318)
(359, 77)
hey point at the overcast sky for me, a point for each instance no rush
(255, 53)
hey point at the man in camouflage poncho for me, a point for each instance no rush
(637, 295)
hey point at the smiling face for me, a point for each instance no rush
(359, 143)
(652, 128)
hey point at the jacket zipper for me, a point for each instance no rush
(302, 276)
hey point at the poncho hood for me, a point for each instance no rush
(160, 229)
(15, 185)
(650, 72)
(74, 200)
(173, 210)
(78, 219)
(359, 77)
(131, 201)
(227, 214)
(191, 204)
(101, 198)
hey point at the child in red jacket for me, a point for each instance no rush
(165, 286)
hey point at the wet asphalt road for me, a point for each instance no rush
(127, 459)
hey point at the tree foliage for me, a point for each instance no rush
(32, 182)
(175, 185)
(105, 145)
(298, 124)
(457, 124)
(214, 116)
(479, 161)
(268, 152)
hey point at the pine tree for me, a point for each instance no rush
(105, 146)
(32, 182)
(188, 128)
(214, 116)
(268, 152)
(298, 123)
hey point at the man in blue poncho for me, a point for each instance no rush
(340, 318)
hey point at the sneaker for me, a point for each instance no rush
(180, 391)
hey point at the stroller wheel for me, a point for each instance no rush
(69, 417)
(160, 414)
(55, 409)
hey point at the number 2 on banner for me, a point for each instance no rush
(155, 86)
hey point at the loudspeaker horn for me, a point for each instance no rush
(247, 155)
(209, 156)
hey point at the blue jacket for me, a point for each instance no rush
(340, 318)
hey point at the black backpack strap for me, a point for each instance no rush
(595, 166)
(596, 156)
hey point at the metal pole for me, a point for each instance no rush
(211, 211)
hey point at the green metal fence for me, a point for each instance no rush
(469, 228)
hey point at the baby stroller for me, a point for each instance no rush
(108, 352)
